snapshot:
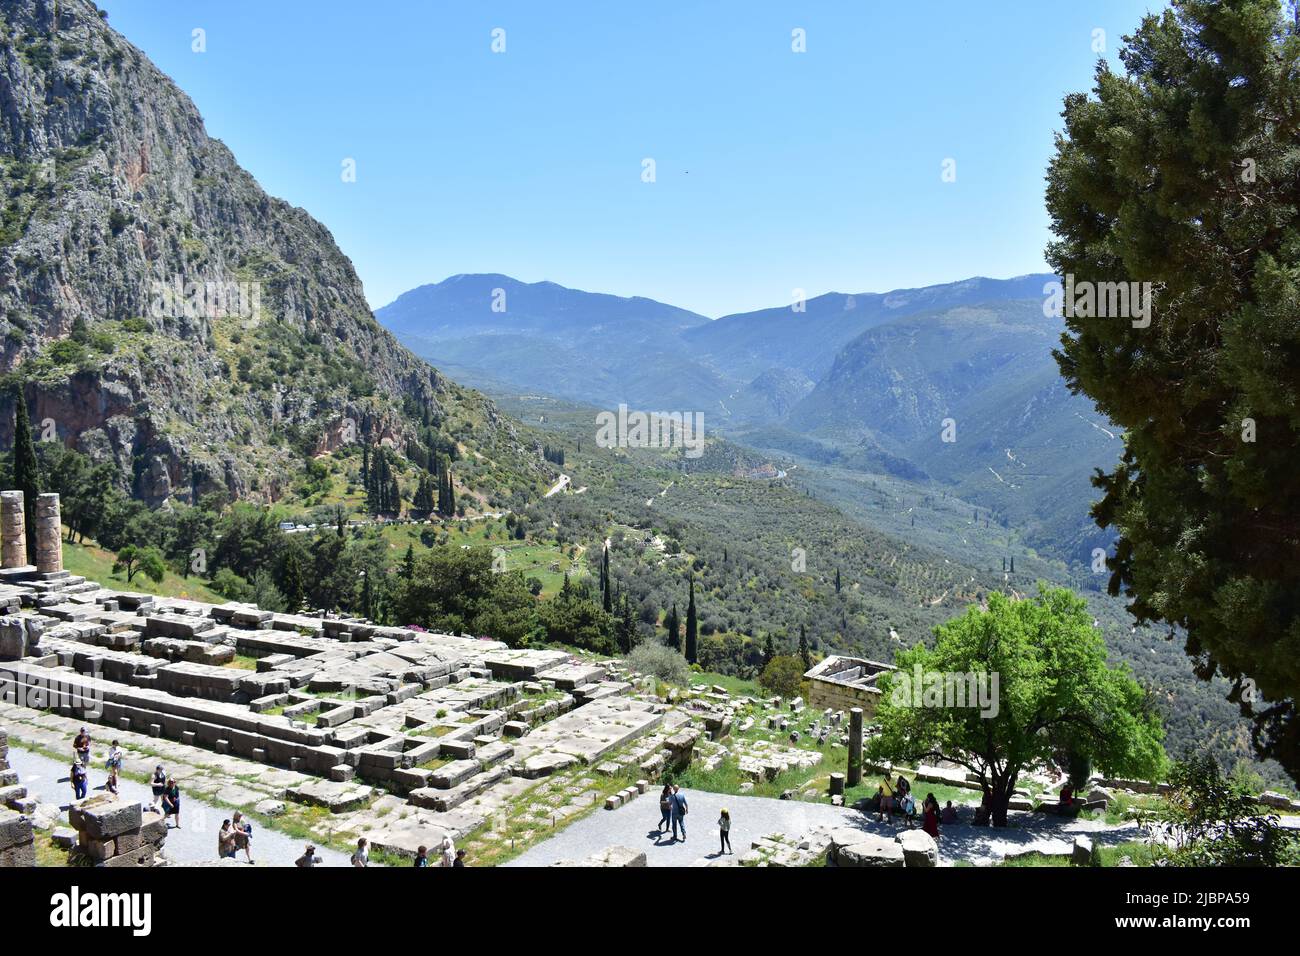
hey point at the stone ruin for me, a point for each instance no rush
(16, 839)
(116, 833)
(346, 711)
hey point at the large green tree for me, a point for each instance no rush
(1183, 172)
(1054, 695)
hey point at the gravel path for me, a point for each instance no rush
(47, 781)
(633, 825)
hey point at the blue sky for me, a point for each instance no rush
(775, 170)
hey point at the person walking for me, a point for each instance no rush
(665, 808)
(158, 786)
(930, 816)
(243, 838)
(679, 808)
(308, 858)
(361, 855)
(171, 802)
(77, 777)
(724, 833)
(886, 800)
(81, 746)
(114, 764)
(448, 857)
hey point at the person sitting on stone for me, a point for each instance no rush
(1067, 795)
(949, 816)
(226, 841)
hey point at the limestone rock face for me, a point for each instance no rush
(192, 312)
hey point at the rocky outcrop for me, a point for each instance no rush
(160, 310)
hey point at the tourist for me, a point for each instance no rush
(361, 855)
(460, 858)
(81, 746)
(448, 857)
(907, 804)
(886, 794)
(1067, 795)
(949, 814)
(679, 809)
(308, 858)
(114, 764)
(171, 802)
(243, 838)
(724, 833)
(903, 788)
(930, 821)
(77, 777)
(422, 856)
(158, 785)
(665, 808)
(226, 841)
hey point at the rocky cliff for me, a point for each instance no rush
(157, 306)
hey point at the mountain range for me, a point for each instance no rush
(865, 379)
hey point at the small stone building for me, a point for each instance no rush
(842, 683)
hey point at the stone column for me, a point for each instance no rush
(49, 536)
(855, 747)
(13, 530)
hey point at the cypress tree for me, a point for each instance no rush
(604, 575)
(674, 625)
(692, 626)
(803, 648)
(26, 471)
(408, 564)
(292, 583)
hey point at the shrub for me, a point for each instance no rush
(783, 676)
(662, 662)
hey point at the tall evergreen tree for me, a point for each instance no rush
(837, 580)
(606, 584)
(1175, 181)
(674, 626)
(692, 627)
(27, 477)
(803, 647)
(408, 564)
(291, 584)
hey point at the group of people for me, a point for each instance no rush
(895, 797)
(235, 834)
(448, 855)
(673, 808)
(79, 772)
